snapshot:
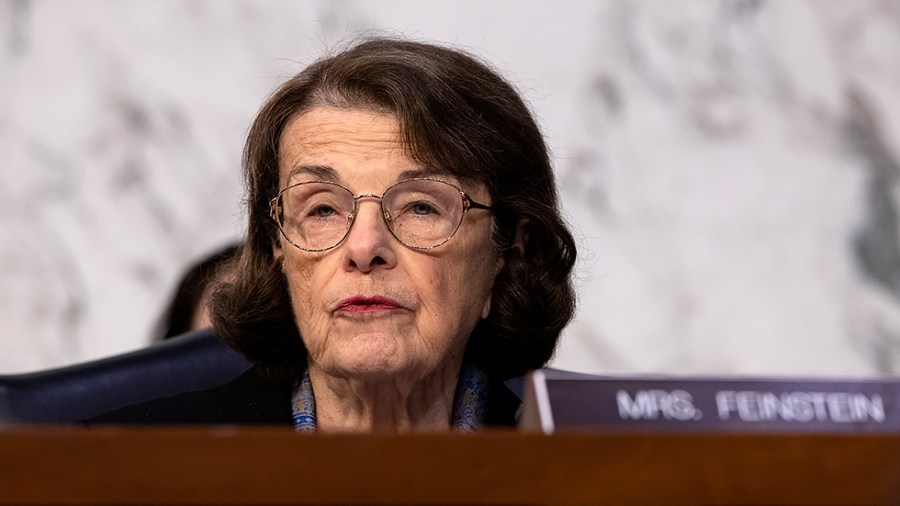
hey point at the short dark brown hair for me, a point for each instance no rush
(456, 115)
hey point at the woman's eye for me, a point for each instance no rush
(322, 211)
(422, 208)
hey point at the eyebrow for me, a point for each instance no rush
(414, 173)
(322, 172)
(327, 173)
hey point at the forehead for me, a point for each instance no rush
(349, 142)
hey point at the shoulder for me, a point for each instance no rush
(249, 399)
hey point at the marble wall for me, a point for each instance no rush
(730, 168)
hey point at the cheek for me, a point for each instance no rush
(477, 265)
(456, 286)
(305, 278)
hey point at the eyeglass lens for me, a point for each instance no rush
(421, 213)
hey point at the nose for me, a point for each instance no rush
(369, 244)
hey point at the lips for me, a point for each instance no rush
(367, 305)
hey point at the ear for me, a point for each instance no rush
(486, 309)
(519, 242)
(277, 252)
(521, 239)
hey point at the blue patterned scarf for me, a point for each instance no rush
(469, 403)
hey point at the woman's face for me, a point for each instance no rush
(372, 308)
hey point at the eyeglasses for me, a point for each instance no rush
(422, 213)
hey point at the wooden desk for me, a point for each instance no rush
(230, 465)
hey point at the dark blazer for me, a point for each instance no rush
(250, 399)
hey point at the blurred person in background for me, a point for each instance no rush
(188, 308)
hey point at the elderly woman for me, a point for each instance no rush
(404, 254)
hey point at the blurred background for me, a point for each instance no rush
(730, 168)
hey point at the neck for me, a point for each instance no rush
(399, 403)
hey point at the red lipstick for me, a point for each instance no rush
(363, 305)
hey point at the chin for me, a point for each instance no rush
(370, 372)
(372, 354)
(375, 368)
